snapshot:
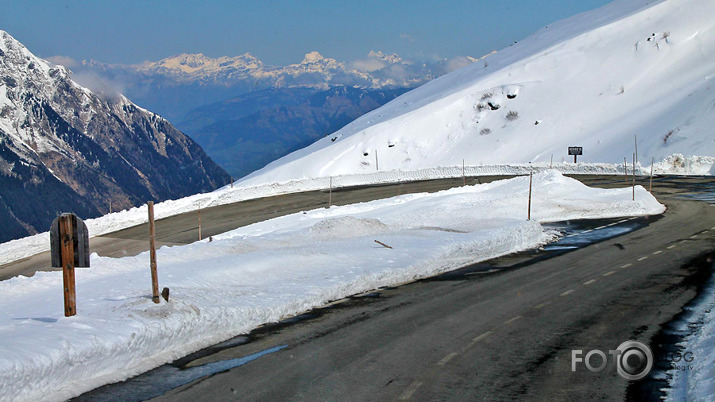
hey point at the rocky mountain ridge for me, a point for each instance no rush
(64, 148)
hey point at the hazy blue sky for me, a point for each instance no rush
(277, 31)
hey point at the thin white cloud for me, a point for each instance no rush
(407, 37)
(63, 61)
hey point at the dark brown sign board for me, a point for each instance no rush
(575, 150)
(80, 237)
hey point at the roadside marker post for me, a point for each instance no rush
(650, 186)
(330, 192)
(152, 255)
(69, 248)
(529, 213)
(634, 176)
(464, 179)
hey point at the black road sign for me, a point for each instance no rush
(80, 237)
(575, 150)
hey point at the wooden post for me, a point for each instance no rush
(634, 176)
(650, 186)
(529, 215)
(464, 179)
(199, 222)
(625, 169)
(67, 247)
(551, 164)
(635, 141)
(330, 193)
(152, 255)
(377, 166)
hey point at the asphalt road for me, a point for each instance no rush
(183, 228)
(477, 334)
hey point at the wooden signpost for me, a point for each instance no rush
(575, 151)
(69, 248)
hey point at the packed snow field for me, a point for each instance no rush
(31, 245)
(267, 271)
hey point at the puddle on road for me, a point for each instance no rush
(703, 192)
(163, 379)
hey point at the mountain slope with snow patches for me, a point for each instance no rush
(631, 69)
(66, 148)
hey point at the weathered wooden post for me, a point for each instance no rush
(152, 255)
(625, 169)
(330, 192)
(464, 179)
(69, 248)
(650, 186)
(529, 214)
(377, 166)
(634, 176)
(199, 222)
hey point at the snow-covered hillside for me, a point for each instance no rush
(631, 69)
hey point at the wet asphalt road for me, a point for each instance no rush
(502, 330)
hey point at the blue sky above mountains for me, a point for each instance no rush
(279, 32)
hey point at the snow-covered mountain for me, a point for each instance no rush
(631, 69)
(64, 148)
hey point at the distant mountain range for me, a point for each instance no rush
(246, 113)
(64, 148)
(176, 85)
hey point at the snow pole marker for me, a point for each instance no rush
(152, 255)
(528, 218)
(650, 186)
(634, 176)
(330, 192)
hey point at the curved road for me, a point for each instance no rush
(503, 335)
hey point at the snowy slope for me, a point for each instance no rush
(596, 80)
(267, 271)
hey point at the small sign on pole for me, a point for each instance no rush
(575, 151)
(69, 248)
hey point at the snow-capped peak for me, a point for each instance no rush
(390, 58)
(312, 57)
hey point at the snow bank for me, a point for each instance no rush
(267, 271)
(31, 245)
(695, 380)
